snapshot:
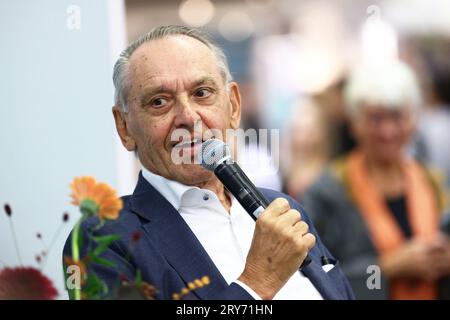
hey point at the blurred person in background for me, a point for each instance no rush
(338, 124)
(434, 122)
(378, 206)
(307, 147)
(256, 157)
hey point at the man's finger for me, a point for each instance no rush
(277, 207)
(310, 240)
(301, 227)
(290, 217)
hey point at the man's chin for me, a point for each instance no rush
(192, 175)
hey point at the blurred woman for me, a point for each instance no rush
(377, 208)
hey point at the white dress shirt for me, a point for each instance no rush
(226, 237)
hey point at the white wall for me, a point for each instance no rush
(55, 117)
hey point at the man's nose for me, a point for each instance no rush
(185, 114)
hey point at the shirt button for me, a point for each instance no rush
(205, 197)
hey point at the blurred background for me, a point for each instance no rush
(291, 59)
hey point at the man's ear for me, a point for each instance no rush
(122, 129)
(235, 101)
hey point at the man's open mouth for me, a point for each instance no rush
(188, 144)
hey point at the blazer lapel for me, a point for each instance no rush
(175, 239)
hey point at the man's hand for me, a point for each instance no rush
(280, 244)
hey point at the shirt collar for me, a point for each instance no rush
(173, 191)
(181, 195)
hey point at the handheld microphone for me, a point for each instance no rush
(216, 156)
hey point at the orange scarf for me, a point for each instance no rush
(384, 230)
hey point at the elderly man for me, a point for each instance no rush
(174, 78)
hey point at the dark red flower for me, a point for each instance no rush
(25, 283)
(8, 210)
(135, 237)
(65, 217)
(123, 278)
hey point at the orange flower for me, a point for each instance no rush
(86, 191)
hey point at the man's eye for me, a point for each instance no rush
(202, 93)
(158, 102)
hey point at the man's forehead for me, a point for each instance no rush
(173, 57)
(171, 49)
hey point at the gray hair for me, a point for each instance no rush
(391, 85)
(120, 73)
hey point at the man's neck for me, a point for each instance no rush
(212, 184)
(217, 187)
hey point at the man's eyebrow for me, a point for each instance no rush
(151, 91)
(205, 80)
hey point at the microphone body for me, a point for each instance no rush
(216, 157)
(235, 180)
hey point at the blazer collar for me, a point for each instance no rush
(175, 239)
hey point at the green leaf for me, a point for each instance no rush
(104, 242)
(108, 238)
(103, 262)
(95, 288)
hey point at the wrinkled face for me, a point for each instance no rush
(175, 85)
(383, 133)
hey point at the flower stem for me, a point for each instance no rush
(76, 254)
(15, 241)
(49, 248)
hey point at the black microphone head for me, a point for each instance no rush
(214, 152)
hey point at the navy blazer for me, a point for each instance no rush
(169, 255)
